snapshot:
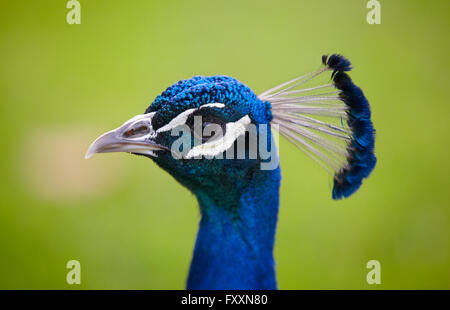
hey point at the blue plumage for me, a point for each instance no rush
(234, 249)
(361, 160)
(238, 199)
(199, 90)
(337, 62)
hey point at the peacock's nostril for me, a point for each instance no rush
(129, 133)
(136, 132)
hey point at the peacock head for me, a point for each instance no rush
(210, 131)
(204, 131)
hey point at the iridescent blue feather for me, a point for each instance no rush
(361, 160)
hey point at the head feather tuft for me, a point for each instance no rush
(337, 62)
(345, 150)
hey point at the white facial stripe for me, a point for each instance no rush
(181, 118)
(213, 105)
(233, 131)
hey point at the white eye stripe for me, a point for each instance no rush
(181, 118)
(213, 105)
(213, 148)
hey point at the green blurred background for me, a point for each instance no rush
(131, 225)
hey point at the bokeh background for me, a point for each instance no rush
(131, 225)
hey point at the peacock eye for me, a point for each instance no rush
(211, 131)
(211, 128)
(207, 125)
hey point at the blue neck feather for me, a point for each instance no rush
(234, 247)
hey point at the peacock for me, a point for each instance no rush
(236, 186)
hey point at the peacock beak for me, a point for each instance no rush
(134, 136)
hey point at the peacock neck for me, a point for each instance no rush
(234, 247)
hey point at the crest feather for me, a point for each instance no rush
(331, 123)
